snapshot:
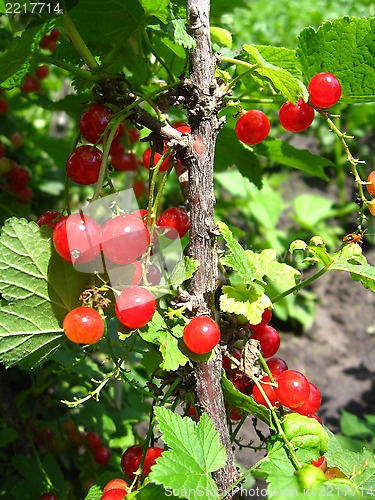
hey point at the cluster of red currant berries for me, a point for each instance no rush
(324, 91)
(290, 388)
(49, 42)
(32, 82)
(17, 179)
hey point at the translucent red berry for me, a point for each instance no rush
(252, 127)
(131, 460)
(276, 366)
(83, 165)
(114, 494)
(324, 89)
(48, 219)
(371, 187)
(296, 118)
(293, 388)
(176, 221)
(201, 334)
(83, 325)
(135, 306)
(42, 72)
(18, 176)
(269, 340)
(31, 84)
(269, 391)
(124, 162)
(102, 455)
(313, 402)
(147, 160)
(93, 440)
(94, 121)
(3, 106)
(116, 484)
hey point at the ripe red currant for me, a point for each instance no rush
(269, 340)
(94, 121)
(324, 89)
(296, 118)
(266, 318)
(17, 177)
(3, 106)
(83, 325)
(42, 72)
(147, 160)
(153, 275)
(17, 140)
(241, 382)
(135, 306)
(31, 84)
(293, 388)
(313, 402)
(133, 135)
(152, 453)
(139, 189)
(131, 460)
(124, 162)
(124, 239)
(235, 414)
(2, 150)
(116, 484)
(201, 334)
(93, 440)
(269, 391)
(83, 165)
(276, 366)
(48, 496)
(227, 361)
(177, 222)
(102, 455)
(48, 219)
(23, 194)
(371, 187)
(117, 148)
(114, 494)
(77, 238)
(182, 127)
(252, 127)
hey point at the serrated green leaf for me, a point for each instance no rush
(177, 31)
(306, 433)
(244, 301)
(184, 270)
(346, 48)
(221, 36)
(194, 452)
(157, 332)
(40, 289)
(94, 493)
(301, 159)
(281, 57)
(156, 8)
(281, 80)
(265, 264)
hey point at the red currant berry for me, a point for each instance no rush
(31, 85)
(269, 340)
(42, 72)
(23, 194)
(48, 496)
(51, 44)
(83, 165)
(147, 160)
(252, 127)
(48, 219)
(269, 391)
(124, 239)
(102, 455)
(227, 361)
(312, 404)
(124, 162)
(2, 150)
(77, 238)
(241, 382)
(235, 415)
(176, 220)
(94, 121)
(201, 334)
(192, 413)
(324, 89)
(182, 127)
(18, 177)
(276, 366)
(3, 106)
(130, 461)
(93, 440)
(55, 33)
(266, 318)
(293, 388)
(296, 118)
(133, 135)
(371, 187)
(114, 494)
(135, 306)
(117, 148)
(139, 189)
(152, 454)
(83, 325)
(17, 140)
(116, 484)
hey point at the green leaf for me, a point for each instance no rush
(351, 260)
(2, 7)
(157, 332)
(177, 31)
(40, 289)
(15, 62)
(311, 208)
(152, 491)
(8, 436)
(249, 302)
(281, 80)
(194, 451)
(221, 36)
(346, 48)
(353, 426)
(184, 270)
(306, 433)
(301, 159)
(281, 57)
(237, 399)
(157, 8)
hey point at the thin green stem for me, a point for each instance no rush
(67, 201)
(158, 58)
(78, 42)
(160, 190)
(154, 177)
(238, 428)
(300, 285)
(238, 62)
(82, 73)
(239, 77)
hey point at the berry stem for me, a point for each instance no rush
(81, 73)
(77, 41)
(67, 201)
(298, 287)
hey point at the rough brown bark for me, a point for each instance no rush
(204, 103)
